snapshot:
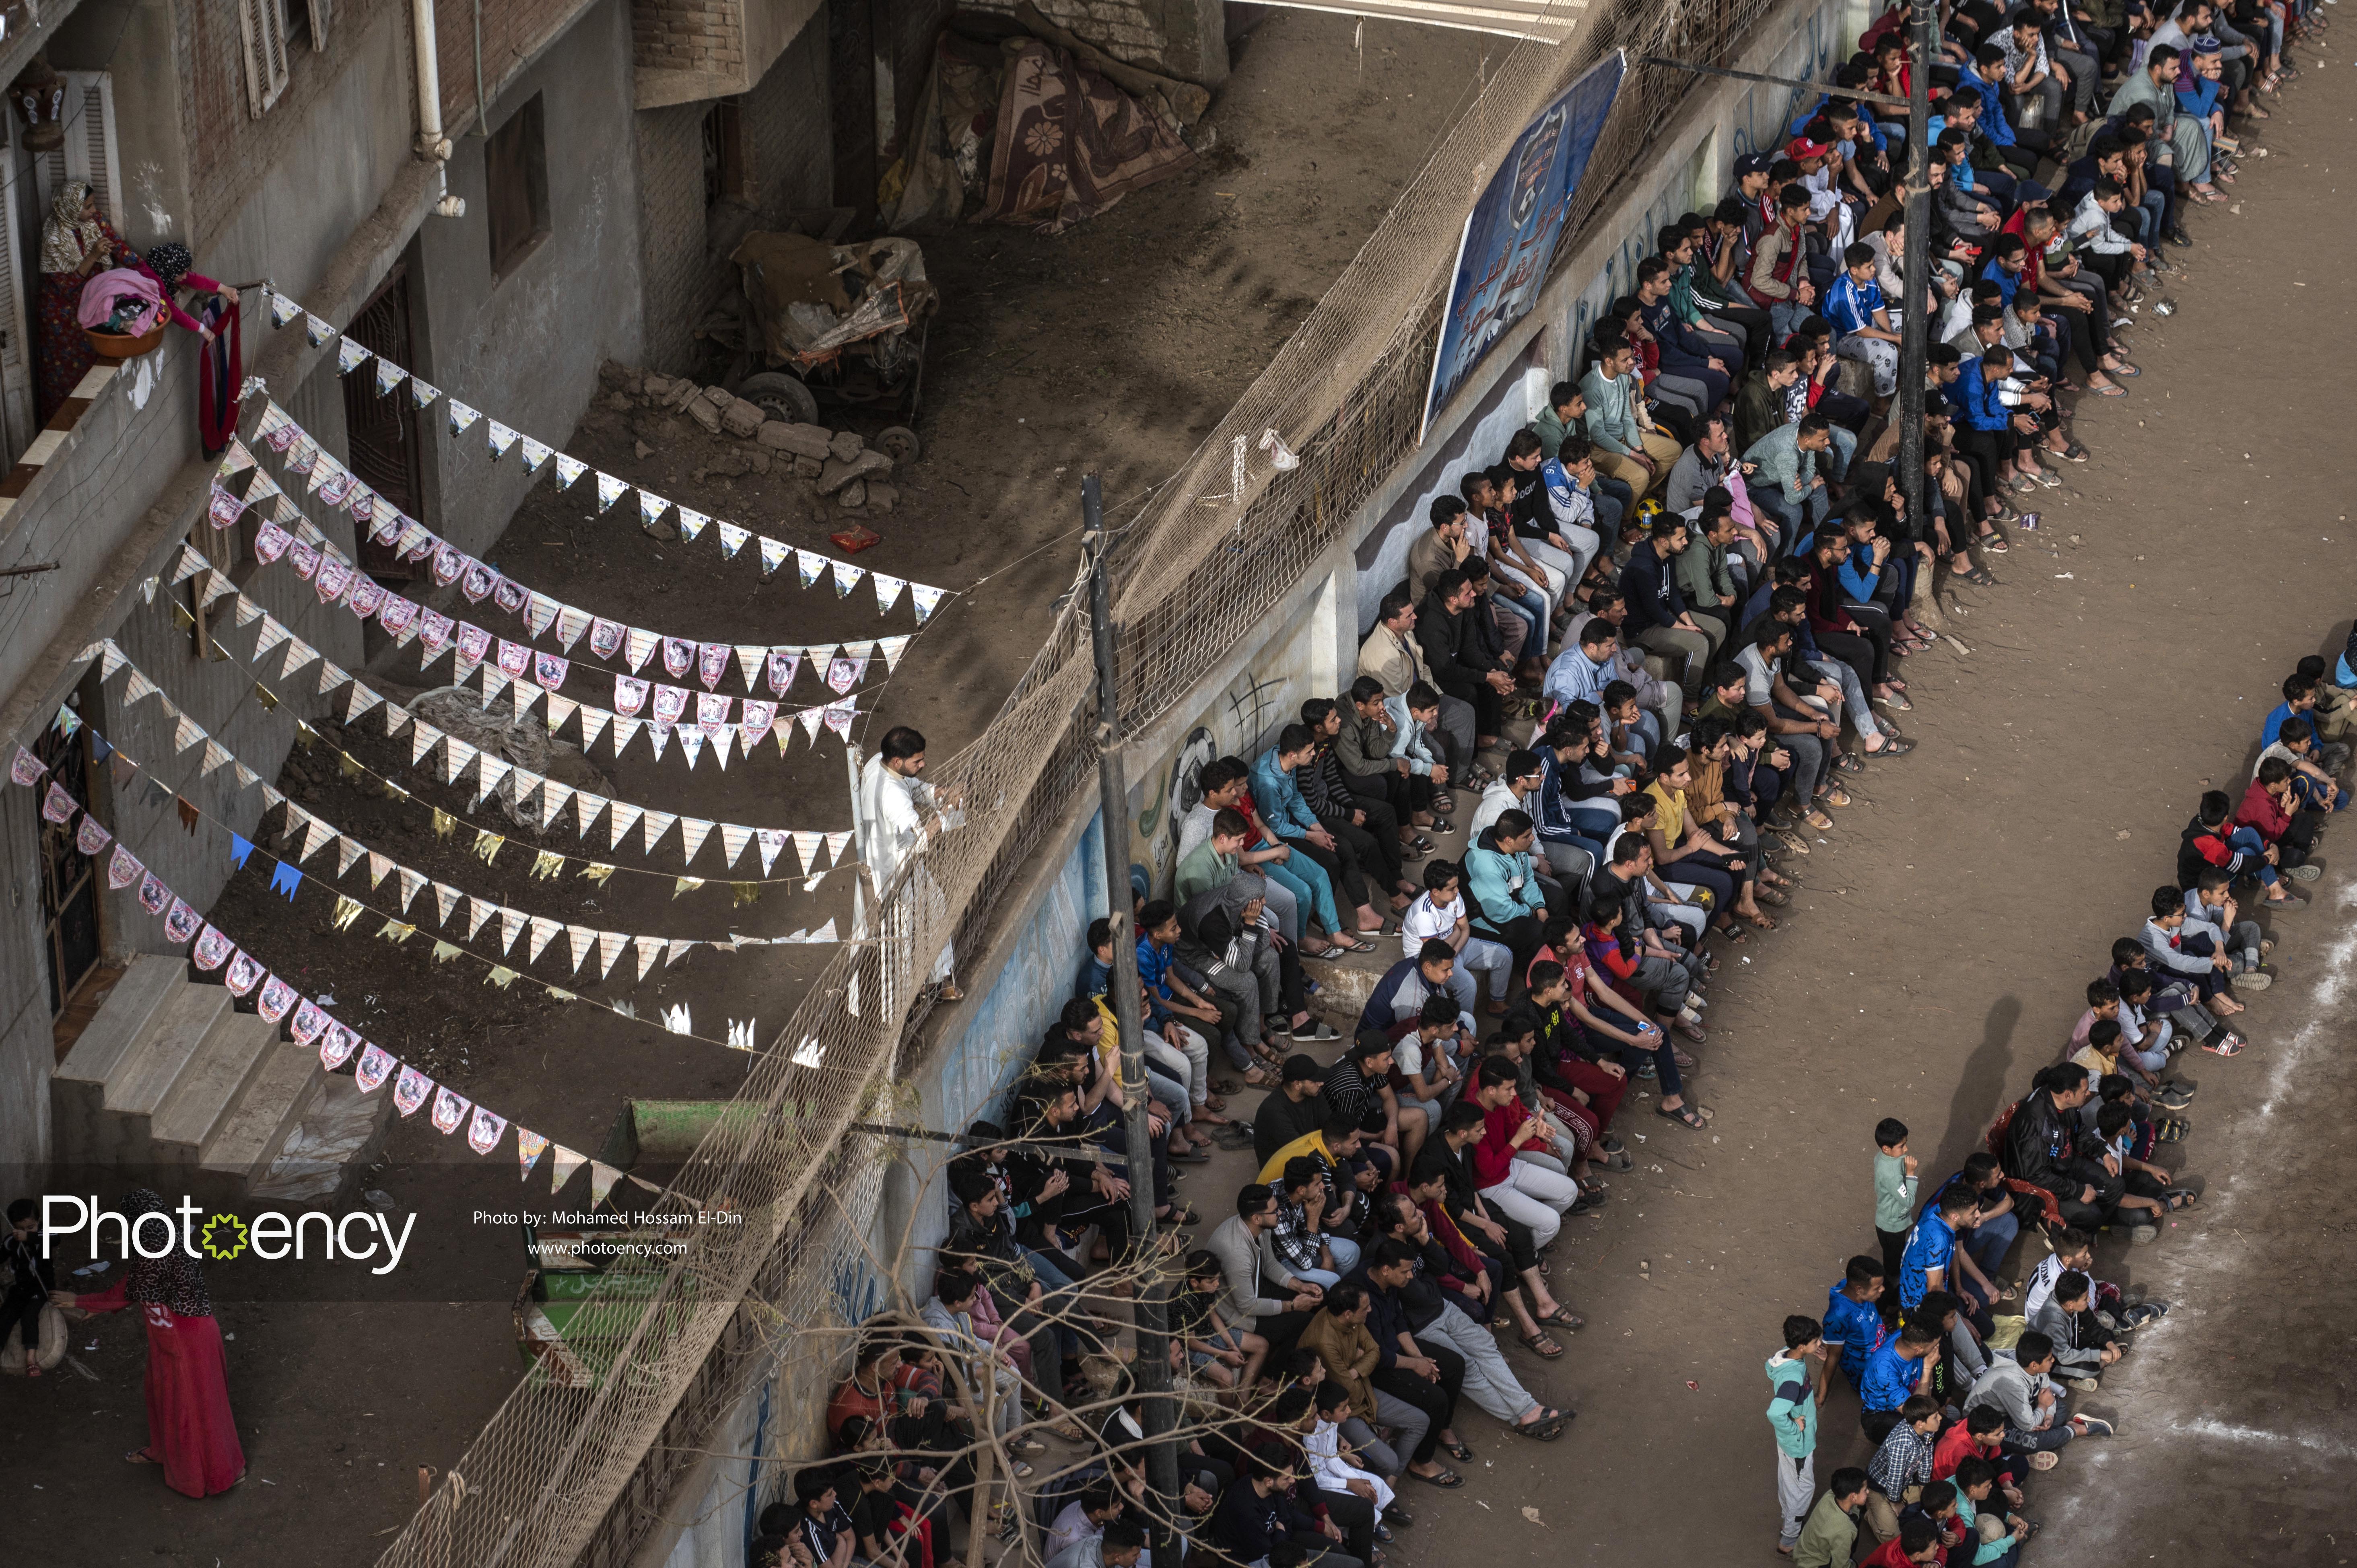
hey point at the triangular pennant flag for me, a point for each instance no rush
(834, 845)
(806, 846)
(562, 1163)
(651, 508)
(412, 882)
(809, 565)
(593, 723)
(586, 807)
(461, 418)
(750, 656)
(511, 924)
(627, 731)
(694, 830)
(529, 1146)
(214, 756)
(602, 1177)
(772, 841)
(657, 824)
(543, 929)
(888, 590)
(621, 821)
(637, 646)
(649, 949)
(733, 840)
(609, 948)
(691, 742)
(691, 522)
(422, 392)
(501, 438)
(317, 330)
(347, 851)
(846, 577)
(924, 598)
(732, 540)
(189, 565)
(446, 903)
(380, 867)
(609, 490)
(536, 453)
(350, 357)
(891, 647)
(422, 738)
(774, 554)
(568, 469)
(580, 939)
(388, 375)
(570, 624)
(540, 613)
(282, 308)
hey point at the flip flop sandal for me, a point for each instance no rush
(2106, 392)
(2055, 481)
(1896, 702)
(1333, 955)
(1539, 1344)
(2229, 1046)
(1355, 946)
(1546, 1429)
(1684, 1114)
(1447, 1480)
(1457, 1451)
(1994, 545)
(2182, 1198)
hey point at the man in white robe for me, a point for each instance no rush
(899, 815)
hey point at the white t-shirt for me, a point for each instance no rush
(1424, 921)
(1759, 681)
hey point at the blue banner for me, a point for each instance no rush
(1511, 234)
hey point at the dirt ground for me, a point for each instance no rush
(1113, 347)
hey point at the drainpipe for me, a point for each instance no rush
(431, 142)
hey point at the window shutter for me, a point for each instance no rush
(88, 152)
(17, 406)
(322, 11)
(262, 28)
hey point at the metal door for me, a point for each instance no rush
(382, 427)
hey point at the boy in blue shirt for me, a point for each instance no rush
(1852, 1320)
(1855, 306)
(1894, 1375)
(1931, 1247)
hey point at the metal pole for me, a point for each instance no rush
(1153, 1368)
(1915, 325)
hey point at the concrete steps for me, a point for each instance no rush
(172, 1072)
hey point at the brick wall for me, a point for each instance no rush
(513, 32)
(697, 38)
(785, 116)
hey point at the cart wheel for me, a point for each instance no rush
(781, 395)
(899, 442)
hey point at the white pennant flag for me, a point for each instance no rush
(609, 490)
(649, 949)
(772, 841)
(888, 590)
(581, 939)
(609, 948)
(891, 647)
(542, 931)
(657, 824)
(846, 577)
(733, 840)
(694, 830)
(562, 1163)
(621, 821)
(925, 599)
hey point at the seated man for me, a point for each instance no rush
(1506, 898)
(1440, 913)
(1803, 729)
(1461, 657)
(1783, 481)
(2037, 1416)
(1662, 698)
(1394, 659)
(1373, 832)
(1400, 995)
(2300, 693)
(1554, 510)
(1376, 766)
(1617, 428)
(1658, 616)
(1277, 790)
(2269, 811)
(1274, 1306)
(1565, 414)
(1854, 307)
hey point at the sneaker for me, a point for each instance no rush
(2303, 873)
(2171, 1101)
(2255, 980)
(2094, 1426)
(2143, 1235)
(2084, 1385)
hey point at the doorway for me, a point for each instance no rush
(382, 427)
(72, 939)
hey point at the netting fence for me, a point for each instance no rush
(565, 1474)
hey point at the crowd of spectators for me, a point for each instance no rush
(1633, 660)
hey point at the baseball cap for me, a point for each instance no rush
(1752, 163)
(1302, 1070)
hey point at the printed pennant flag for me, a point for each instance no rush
(388, 375)
(409, 1090)
(638, 647)
(809, 565)
(350, 357)
(691, 523)
(732, 540)
(609, 490)
(335, 1048)
(449, 1110)
(888, 590)
(784, 663)
(846, 577)
(422, 392)
(502, 439)
(536, 453)
(376, 1064)
(529, 1146)
(925, 599)
(461, 419)
(283, 309)
(123, 868)
(651, 508)
(317, 330)
(484, 1133)
(568, 469)
(562, 1163)
(602, 1177)
(772, 841)
(774, 554)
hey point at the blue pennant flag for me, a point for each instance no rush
(285, 879)
(98, 749)
(239, 848)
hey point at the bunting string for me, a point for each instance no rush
(527, 675)
(325, 475)
(459, 758)
(309, 1022)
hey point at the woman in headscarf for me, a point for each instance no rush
(75, 243)
(190, 1430)
(221, 364)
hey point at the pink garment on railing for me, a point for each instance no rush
(109, 289)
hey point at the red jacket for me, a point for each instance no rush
(1495, 1153)
(2262, 812)
(1955, 1447)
